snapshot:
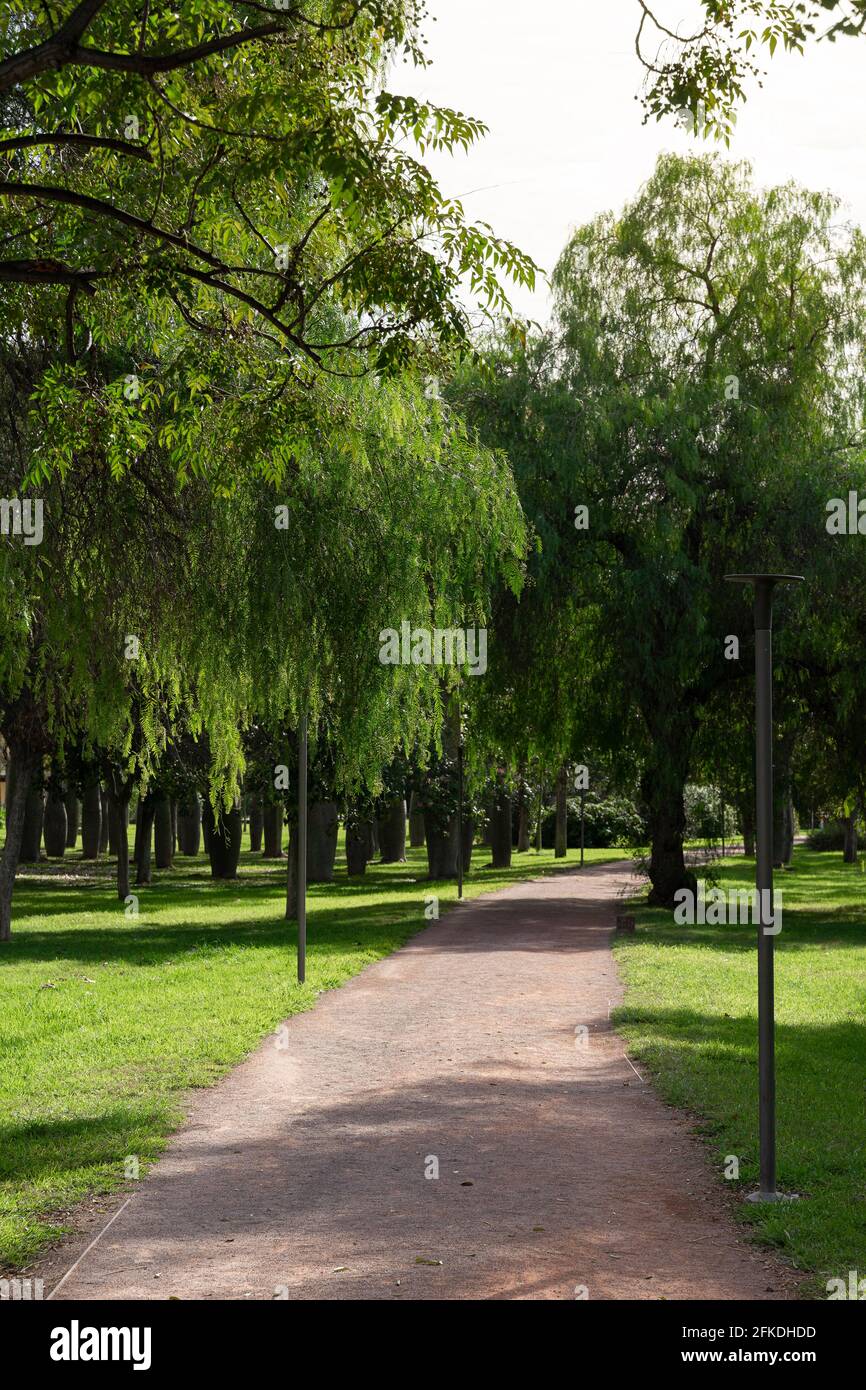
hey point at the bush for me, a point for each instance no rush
(614, 821)
(829, 836)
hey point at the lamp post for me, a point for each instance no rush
(302, 850)
(764, 585)
(460, 815)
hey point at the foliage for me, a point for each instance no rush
(701, 76)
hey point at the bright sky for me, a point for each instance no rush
(556, 82)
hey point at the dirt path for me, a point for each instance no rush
(303, 1173)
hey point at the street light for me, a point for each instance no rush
(302, 850)
(764, 585)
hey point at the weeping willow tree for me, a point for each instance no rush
(151, 609)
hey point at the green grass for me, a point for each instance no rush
(108, 1020)
(690, 1016)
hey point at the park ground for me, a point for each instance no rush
(111, 1021)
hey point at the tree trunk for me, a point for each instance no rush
(441, 847)
(256, 825)
(358, 846)
(111, 820)
(662, 790)
(392, 833)
(523, 825)
(22, 769)
(174, 820)
(118, 811)
(72, 817)
(746, 807)
(54, 827)
(144, 840)
(538, 823)
(163, 833)
(322, 828)
(34, 813)
(561, 838)
(849, 852)
(91, 821)
(416, 823)
(782, 812)
(500, 833)
(468, 841)
(224, 838)
(273, 831)
(292, 876)
(189, 827)
(104, 835)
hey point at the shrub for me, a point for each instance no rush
(614, 821)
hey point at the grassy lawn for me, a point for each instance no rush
(107, 1020)
(691, 1017)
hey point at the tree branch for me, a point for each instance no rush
(93, 142)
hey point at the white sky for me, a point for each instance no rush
(556, 81)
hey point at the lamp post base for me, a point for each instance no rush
(772, 1197)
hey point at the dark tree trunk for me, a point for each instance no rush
(561, 834)
(72, 817)
(662, 790)
(538, 823)
(416, 823)
(174, 820)
(34, 813)
(468, 841)
(256, 825)
(189, 827)
(849, 852)
(783, 815)
(224, 839)
(104, 835)
(441, 847)
(162, 833)
(500, 833)
(118, 811)
(111, 822)
(358, 847)
(523, 825)
(54, 828)
(322, 828)
(144, 840)
(392, 833)
(292, 876)
(746, 808)
(272, 823)
(91, 821)
(22, 769)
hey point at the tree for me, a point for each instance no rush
(697, 394)
(236, 169)
(701, 76)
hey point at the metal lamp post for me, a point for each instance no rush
(764, 585)
(302, 850)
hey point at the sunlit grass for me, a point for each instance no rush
(691, 1017)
